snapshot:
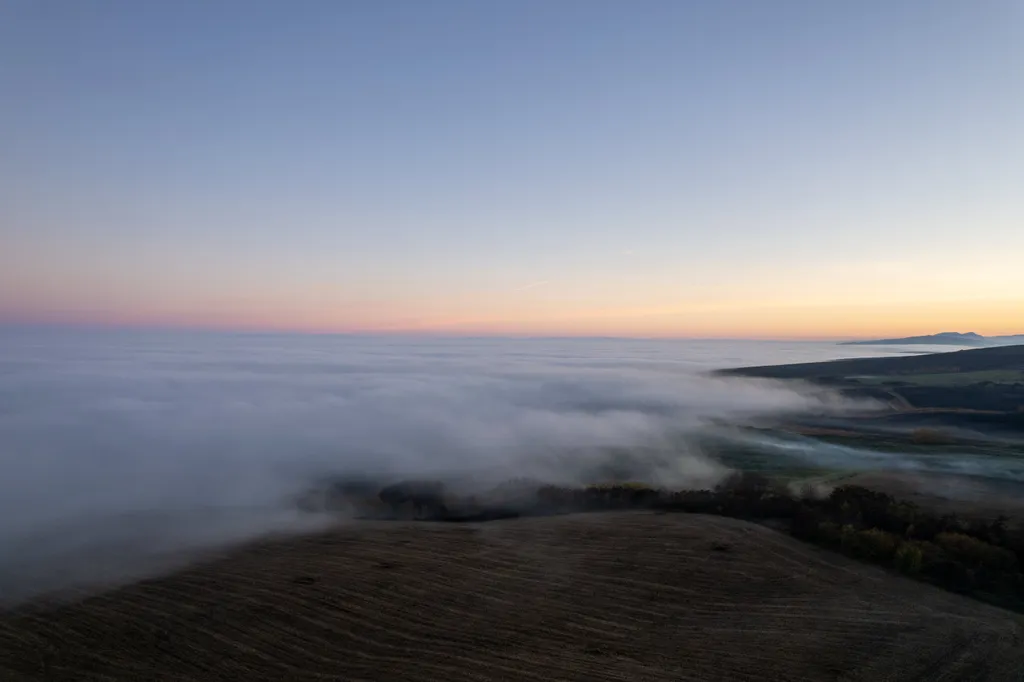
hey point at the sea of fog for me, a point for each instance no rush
(123, 451)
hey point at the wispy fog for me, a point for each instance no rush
(122, 451)
(826, 455)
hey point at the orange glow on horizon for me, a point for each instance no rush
(739, 320)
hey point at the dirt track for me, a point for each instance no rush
(619, 596)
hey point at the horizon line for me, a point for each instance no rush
(170, 327)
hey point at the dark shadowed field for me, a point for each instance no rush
(981, 390)
(607, 596)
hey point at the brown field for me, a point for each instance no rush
(605, 596)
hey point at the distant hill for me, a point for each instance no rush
(944, 339)
(1004, 358)
(940, 339)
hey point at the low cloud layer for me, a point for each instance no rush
(120, 449)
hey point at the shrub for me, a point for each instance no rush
(873, 544)
(994, 532)
(976, 553)
(909, 558)
(877, 545)
(778, 506)
(829, 533)
(807, 522)
(847, 537)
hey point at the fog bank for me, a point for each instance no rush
(124, 451)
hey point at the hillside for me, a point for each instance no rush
(614, 596)
(1001, 358)
(980, 389)
(943, 339)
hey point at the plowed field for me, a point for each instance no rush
(613, 596)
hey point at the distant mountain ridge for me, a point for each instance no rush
(944, 339)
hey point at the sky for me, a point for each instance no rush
(788, 169)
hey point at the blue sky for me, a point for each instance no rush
(667, 167)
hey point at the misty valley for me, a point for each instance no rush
(142, 455)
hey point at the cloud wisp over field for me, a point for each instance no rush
(121, 447)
